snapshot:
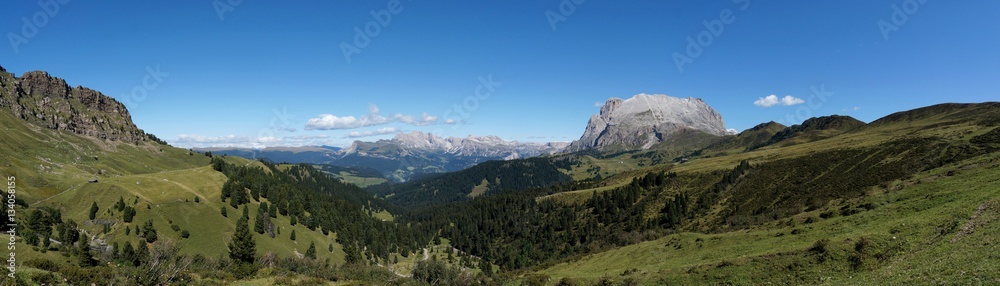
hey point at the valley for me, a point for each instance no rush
(909, 198)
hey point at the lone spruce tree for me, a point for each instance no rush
(311, 252)
(93, 210)
(242, 247)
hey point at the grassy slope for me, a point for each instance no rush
(919, 231)
(928, 206)
(53, 168)
(359, 180)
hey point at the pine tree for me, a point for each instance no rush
(223, 211)
(311, 252)
(149, 232)
(197, 199)
(141, 254)
(120, 205)
(242, 247)
(293, 235)
(93, 210)
(331, 247)
(69, 234)
(129, 214)
(128, 253)
(86, 259)
(260, 222)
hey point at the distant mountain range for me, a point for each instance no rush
(641, 122)
(405, 156)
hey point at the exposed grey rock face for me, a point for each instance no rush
(48, 101)
(645, 120)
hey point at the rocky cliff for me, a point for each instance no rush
(48, 101)
(645, 120)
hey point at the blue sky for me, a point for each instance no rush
(265, 73)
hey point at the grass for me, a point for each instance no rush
(359, 181)
(384, 215)
(52, 168)
(480, 189)
(913, 233)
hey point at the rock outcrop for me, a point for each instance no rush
(644, 120)
(48, 101)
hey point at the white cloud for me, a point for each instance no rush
(856, 108)
(425, 119)
(369, 133)
(772, 100)
(450, 121)
(238, 141)
(598, 104)
(195, 141)
(333, 122)
(791, 100)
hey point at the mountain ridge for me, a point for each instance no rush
(406, 155)
(50, 102)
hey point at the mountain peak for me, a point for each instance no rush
(646, 119)
(766, 125)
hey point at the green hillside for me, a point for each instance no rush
(167, 186)
(937, 227)
(785, 213)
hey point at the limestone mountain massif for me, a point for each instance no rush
(645, 120)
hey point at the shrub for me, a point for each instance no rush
(820, 246)
(566, 281)
(43, 264)
(536, 280)
(86, 276)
